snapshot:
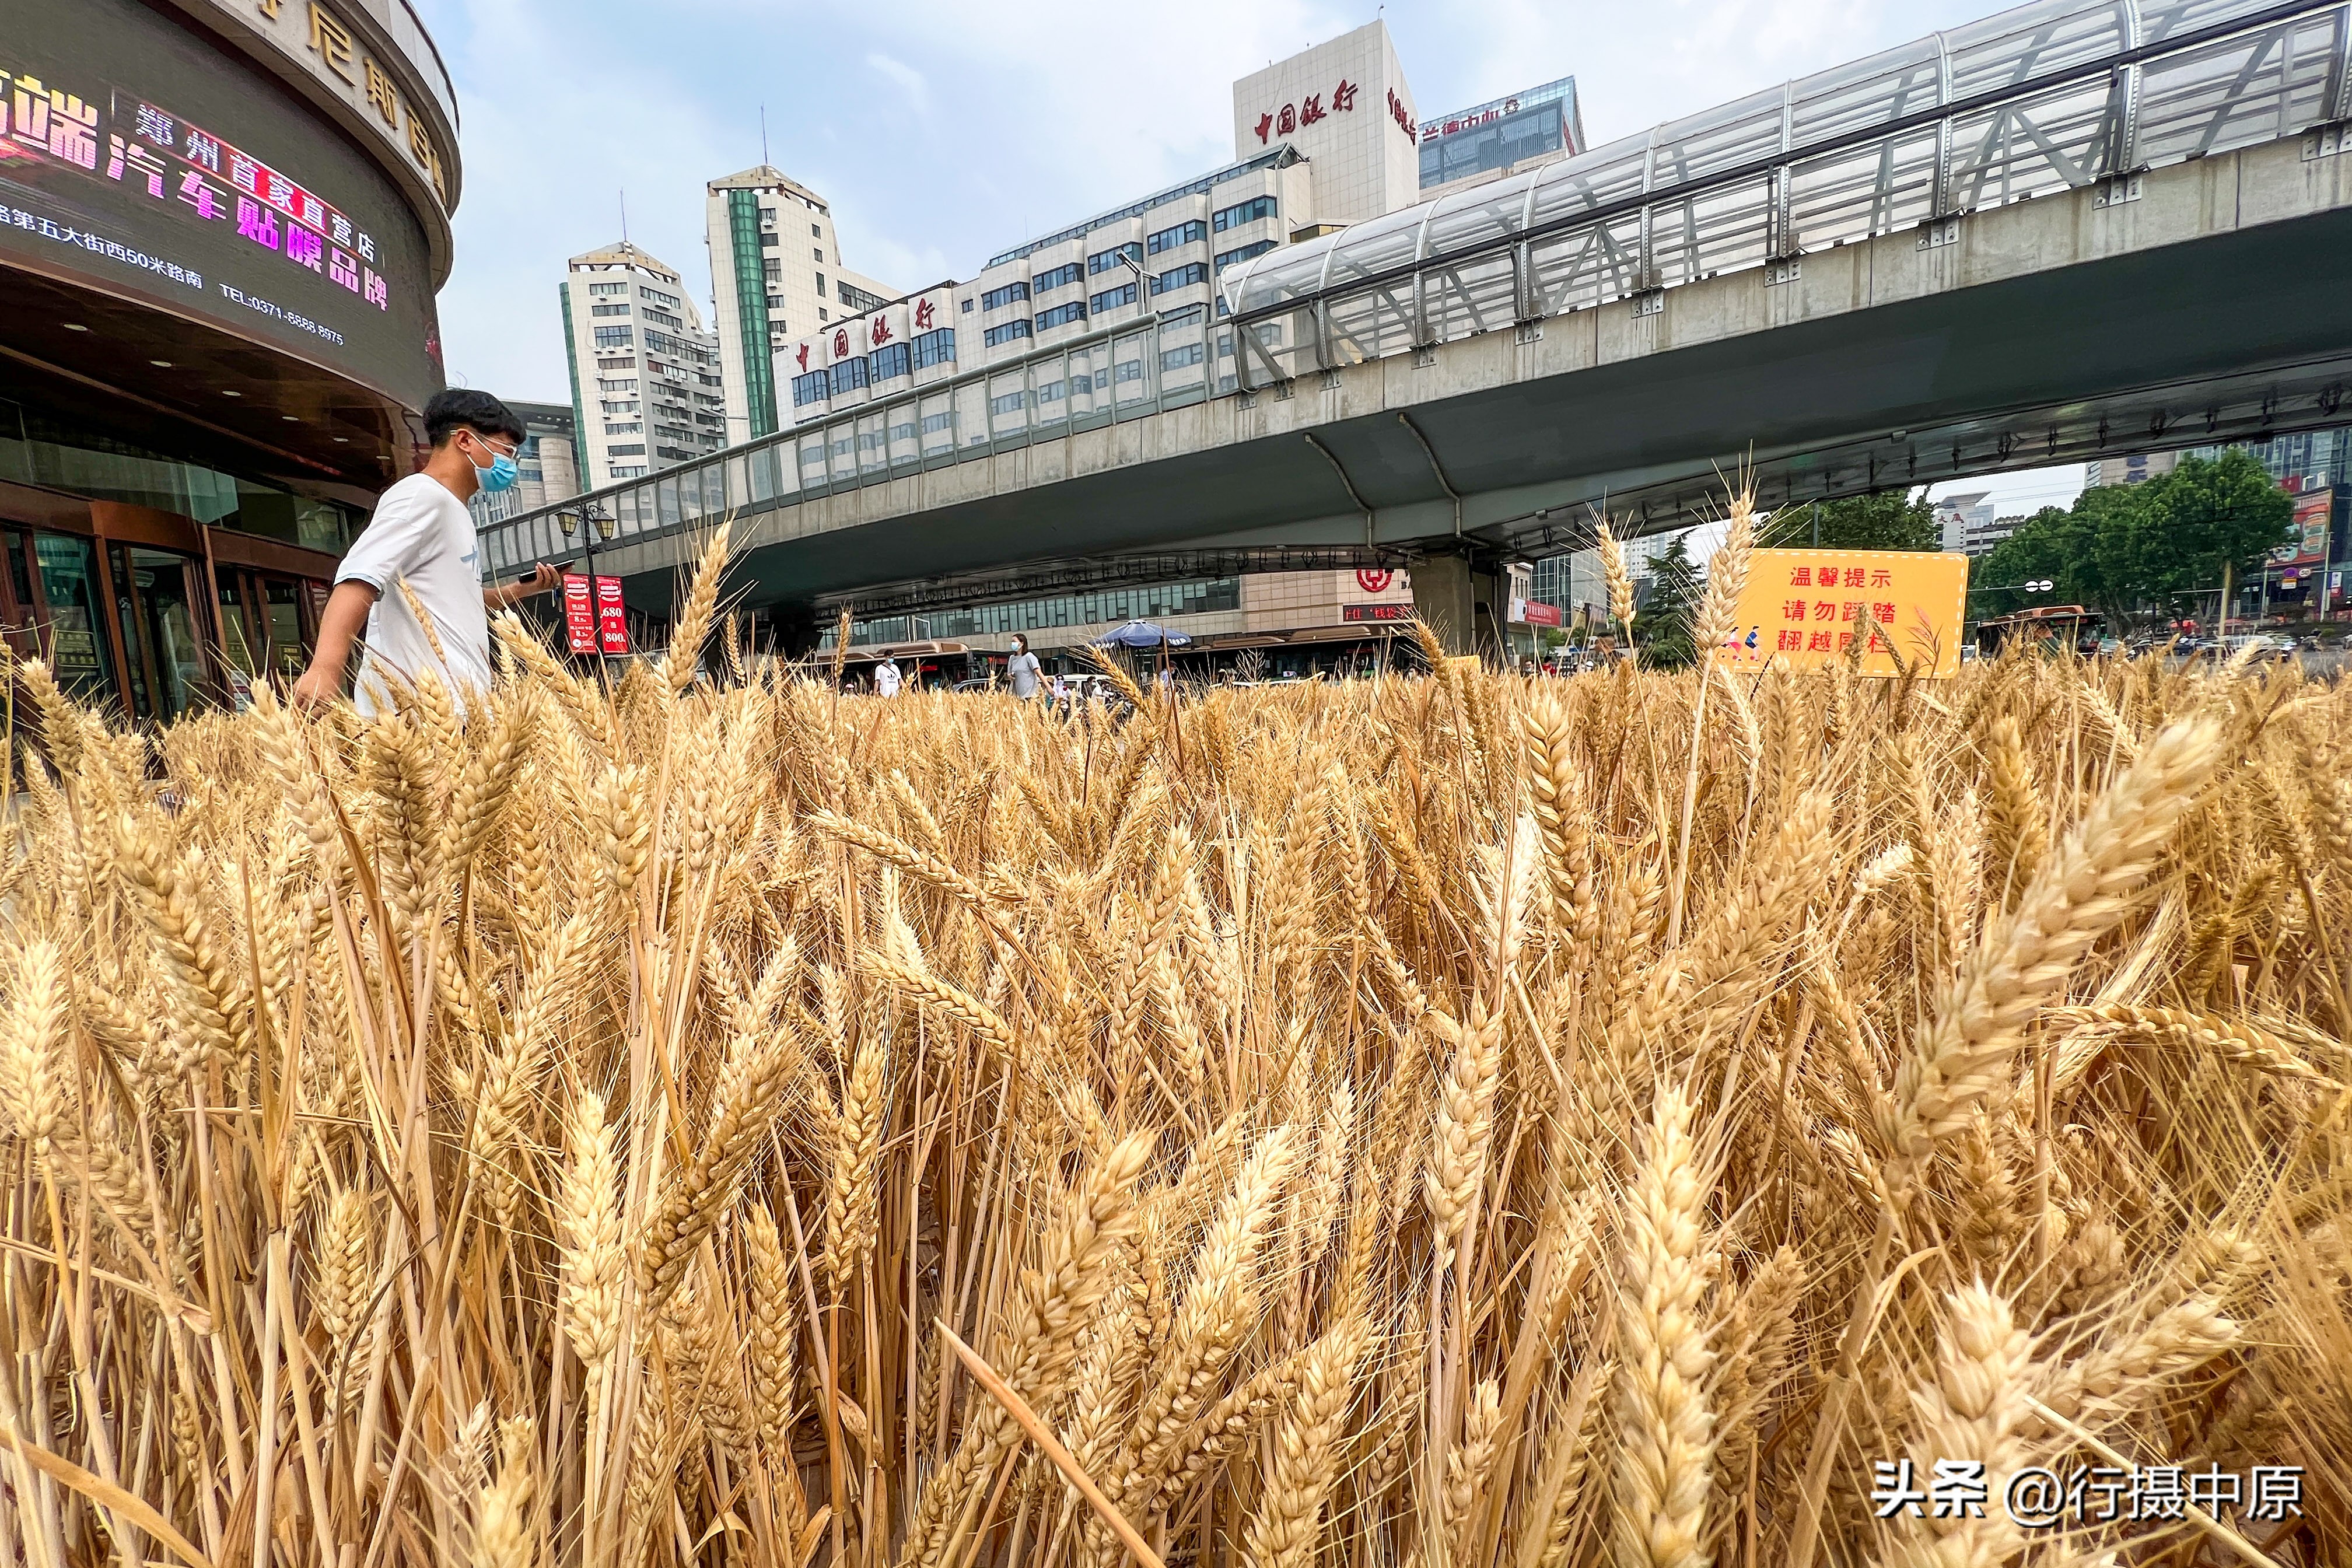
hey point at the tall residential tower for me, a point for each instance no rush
(770, 282)
(645, 381)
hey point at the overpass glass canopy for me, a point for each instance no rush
(2032, 103)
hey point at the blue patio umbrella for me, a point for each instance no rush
(1141, 634)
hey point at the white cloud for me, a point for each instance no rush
(907, 78)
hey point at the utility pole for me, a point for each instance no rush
(1817, 525)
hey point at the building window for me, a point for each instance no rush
(816, 231)
(608, 310)
(1129, 370)
(813, 387)
(1069, 272)
(1006, 332)
(635, 450)
(1104, 260)
(1188, 233)
(1182, 276)
(657, 297)
(893, 359)
(1008, 403)
(1112, 298)
(661, 318)
(608, 291)
(857, 298)
(997, 299)
(819, 284)
(625, 363)
(614, 337)
(935, 347)
(1177, 359)
(1250, 211)
(1227, 258)
(967, 306)
(1075, 310)
(767, 240)
(849, 374)
(632, 427)
(627, 470)
(935, 423)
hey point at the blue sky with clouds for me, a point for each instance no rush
(941, 132)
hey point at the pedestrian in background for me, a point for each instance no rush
(1021, 671)
(886, 679)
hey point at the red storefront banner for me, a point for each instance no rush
(1538, 614)
(612, 619)
(579, 613)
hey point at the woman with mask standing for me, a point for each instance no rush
(422, 536)
(1021, 670)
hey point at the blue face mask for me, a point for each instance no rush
(500, 475)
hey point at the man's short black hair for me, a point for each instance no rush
(463, 409)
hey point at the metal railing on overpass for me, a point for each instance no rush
(2032, 101)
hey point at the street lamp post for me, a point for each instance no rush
(599, 524)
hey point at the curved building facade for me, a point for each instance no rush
(222, 227)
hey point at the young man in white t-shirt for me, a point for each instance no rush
(886, 679)
(422, 533)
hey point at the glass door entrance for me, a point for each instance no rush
(155, 595)
(56, 611)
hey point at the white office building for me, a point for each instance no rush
(646, 386)
(769, 281)
(1322, 140)
(1968, 523)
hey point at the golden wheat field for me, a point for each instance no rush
(1444, 1122)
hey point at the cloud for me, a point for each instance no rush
(908, 80)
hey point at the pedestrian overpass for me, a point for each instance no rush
(2062, 231)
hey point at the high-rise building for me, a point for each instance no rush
(645, 383)
(1323, 139)
(2130, 468)
(1344, 105)
(1969, 521)
(1534, 126)
(770, 282)
(548, 462)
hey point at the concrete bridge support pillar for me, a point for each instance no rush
(1460, 598)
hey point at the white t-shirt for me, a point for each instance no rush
(886, 679)
(425, 534)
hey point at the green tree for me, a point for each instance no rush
(2203, 515)
(2126, 550)
(1662, 626)
(1890, 519)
